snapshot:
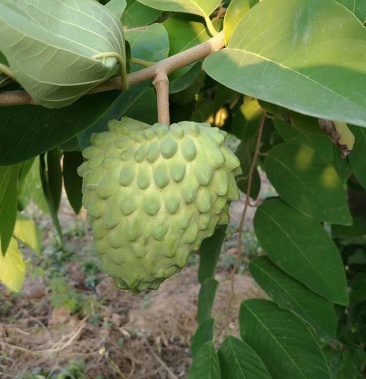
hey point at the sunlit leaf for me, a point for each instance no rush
(308, 183)
(59, 50)
(137, 14)
(199, 7)
(305, 55)
(12, 268)
(28, 232)
(358, 7)
(117, 7)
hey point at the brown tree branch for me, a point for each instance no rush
(167, 65)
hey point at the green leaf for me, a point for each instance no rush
(8, 203)
(209, 254)
(282, 341)
(72, 181)
(309, 58)
(301, 247)
(318, 141)
(28, 232)
(28, 130)
(12, 267)
(357, 156)
(358, 288)
(150, 44)
(234, 13)
(290, 294)
(32, 188)
(90, 47)
(137, 14)
(206, 298)
(239, 361)
(307, 182)
(198, 7)
(4, 80)
(205, 365)
(184, 33)
(204, 333)
(50, 178)
(358, 7)
(117, 7)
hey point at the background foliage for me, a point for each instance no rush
(287, 64)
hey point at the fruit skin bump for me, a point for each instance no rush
(153, 193)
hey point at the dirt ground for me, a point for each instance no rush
(123, 335)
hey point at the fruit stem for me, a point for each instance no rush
(161, 83)
(167, 65)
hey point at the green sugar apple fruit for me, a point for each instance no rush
(153, 193)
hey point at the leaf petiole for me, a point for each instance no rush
(6, 71)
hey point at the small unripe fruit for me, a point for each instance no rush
(153, 194)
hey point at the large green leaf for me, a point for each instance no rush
(27, 130)
(209, 254)
(59, 50)
(150, 44)
(205, 365)
(234, 13)
(239, 361)
(305, 55)
(8, 203)
(12, 267)
(301, 247)
(311, 136)
(307, 182)
(283, 342)
(357, 155)
(137, 14)
(290, 294)
(117, 7)
(358, 7)
(198, 7)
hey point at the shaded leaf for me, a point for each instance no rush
(90, 57)
(28, 130)
(117, 7)
(184, 33)
(282, 341)
(209, 254)
(28, 232)
(290, 294)
(206, 298)
(72, 181)
(48, 183)
(205, 365)
(308, 183)
(315, 47)
(12, 267)
(204, 333)
(239, 361)
(301, 247)
(8, 203)
(358, 7)
(357, 155)
(198, 7)
(137, 14)
(150, 44)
